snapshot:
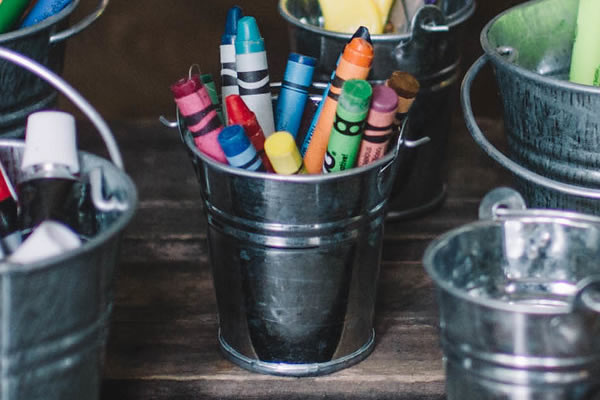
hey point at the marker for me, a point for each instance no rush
(585, 60)
(406, 87)
(378, 129)
(49, 186)
(43, 9)
(10, 236)
(194, 104)
(208, 82)
(348, 128)
(294, 92)
(50, 238)
(361, 32)
(238, 113)
(354, 64)
(238, 149)
(283, 153)
(229, 84)
(10, 12)
(253, 73)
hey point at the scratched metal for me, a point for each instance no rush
(431, 52)
(552, 126)
(519, 301)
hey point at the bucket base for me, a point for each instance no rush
(399, 215)
(297, 370)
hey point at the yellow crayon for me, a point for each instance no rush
(283, 153)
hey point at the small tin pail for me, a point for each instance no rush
(431, 52)
(22, 93)
(55, 312)
(295, 261)
(551, 124)
(519, 300)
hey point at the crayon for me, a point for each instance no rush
(348, 128)
(253, 73)
(310, 108)
(239, 113)
(361, 32)
(10, 12)
(345, 18)
(294, 92)
(283, 153)
(49, 239)
(585, 60)
(406, 87)
(194, 104)
(10, 237)
(355, 64)
(378, 129)
(43, 9)
(208, 82)
(237, 148)
(227, 51)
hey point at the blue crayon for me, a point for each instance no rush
(237, 148)
(363, 33)
(43, 9)
(229, 84)
(253, 73)
(294, 92)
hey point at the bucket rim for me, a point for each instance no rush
(499, 60)
(452, 20)
(497, 305)
(45, 24)
(98, 240)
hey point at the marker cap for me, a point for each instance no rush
(50, 139)
(50, 238)
(233, 140)
(283, 153)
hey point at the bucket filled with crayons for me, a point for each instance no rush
(62, 212)
(545, 57)
(295, 246)
(422, 38)
(37, 29)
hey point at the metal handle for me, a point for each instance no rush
(587, 296)
(68, 91)
(493, 152)
(81, 25)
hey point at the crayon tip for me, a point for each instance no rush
(359, 52)
(237, 110)
(404, 83)
(186, 86)
(363, 33)
(384, 99)
(356, 95)
(247, 30)
(233, 140)
(233, 16)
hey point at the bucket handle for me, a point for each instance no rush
(81, 25)
(497, 155)
(587, 296)
(71, 94)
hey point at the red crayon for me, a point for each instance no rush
(238, 113)
(200, 115)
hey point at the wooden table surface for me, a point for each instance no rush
(163, 333)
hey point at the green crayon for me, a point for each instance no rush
(10, 12)
(585, 60)
(348, 127)
(207, 81)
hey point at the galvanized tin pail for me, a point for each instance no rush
(22, 93)
(55, 312)
(431, 52)
(519, 300)
(551, 124)
(295, 262)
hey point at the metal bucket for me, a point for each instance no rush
(55, 312)
(295, 261)
(431, 52)
(551, 125)
(519, 300)
(22, 93)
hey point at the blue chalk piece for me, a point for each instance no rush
(294, 93)
(237, 148)
(42, 10)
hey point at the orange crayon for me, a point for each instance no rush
(355, 63)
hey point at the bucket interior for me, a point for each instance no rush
(536, 264)
(540, 34)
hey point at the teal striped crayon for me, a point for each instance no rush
(348, 127)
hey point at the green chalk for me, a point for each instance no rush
(346, 133)
(586, 48)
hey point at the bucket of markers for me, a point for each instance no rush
(62, 213)
(37, 29)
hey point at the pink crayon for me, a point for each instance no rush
(200, 115)
(378, 129)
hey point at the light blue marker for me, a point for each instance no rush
(237, 148)
(294, 92)
(42, 10)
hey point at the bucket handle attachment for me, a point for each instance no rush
(587, 296)
(81, 25)
(497, 155)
